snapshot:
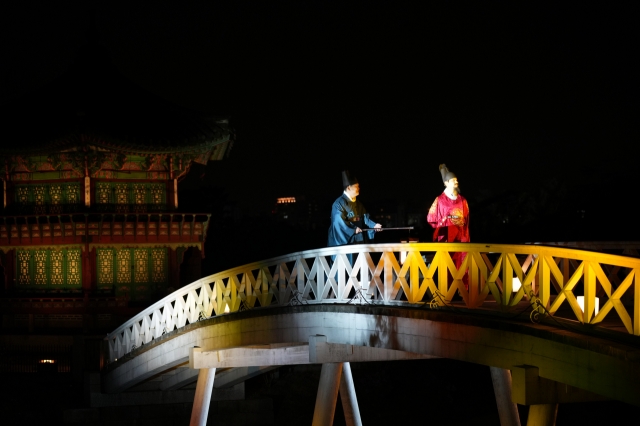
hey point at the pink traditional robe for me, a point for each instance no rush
(450, 218)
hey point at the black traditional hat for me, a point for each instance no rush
(446, 174)
(347, 179)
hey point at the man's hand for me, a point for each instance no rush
(378, 227)
(358, 230)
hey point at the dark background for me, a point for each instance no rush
(532, 106)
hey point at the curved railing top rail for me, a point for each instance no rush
(409, 273)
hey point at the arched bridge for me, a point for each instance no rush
(555, 324)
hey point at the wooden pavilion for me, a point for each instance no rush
(91, 221)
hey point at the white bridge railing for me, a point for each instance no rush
(414, 274)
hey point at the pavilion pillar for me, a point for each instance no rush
(542, 415)
(175, 193)
(202, 399)
(507, 409)
(8, 192)
(87, 191)
(327, 394)
(348, 397)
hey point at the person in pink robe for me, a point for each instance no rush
(449, 216)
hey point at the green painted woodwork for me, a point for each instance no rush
(49, 175)
(48, 193)
(136, 272)
(131, 193)
(48, 269)
(100, 164)
(131, 175)
(102, 174)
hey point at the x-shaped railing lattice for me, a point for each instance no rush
(420, 274)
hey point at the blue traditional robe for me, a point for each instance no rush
(346, 216)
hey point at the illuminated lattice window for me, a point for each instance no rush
(24, 263)
(104, 259)
(141, 259)
(22, 195)
(103, 192)
(40, 262)
(73, 193)
(42, 194)
(139, 193)
(73, 267)
(57, 268)
(123, 265)
(138, 272)
(44, 268)
(122, 193)
(39, 193)
(157, 192)
(55, 193)
(158, 267)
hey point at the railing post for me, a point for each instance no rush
(474, 280)
(414, 278)
(507, 280)
(322, 267)
(636, 302)
(589, 292)
(388, 276)
(443, 273)
(300, 276)
(365, 282)
(544, 281)
(343, 261)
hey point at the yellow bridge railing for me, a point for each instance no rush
(575, 284)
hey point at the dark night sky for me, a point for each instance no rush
(508, 96)
(511, 96)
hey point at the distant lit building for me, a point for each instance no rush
(297, 211)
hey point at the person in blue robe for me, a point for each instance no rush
(349, 217)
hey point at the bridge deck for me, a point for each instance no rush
(562, 354)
